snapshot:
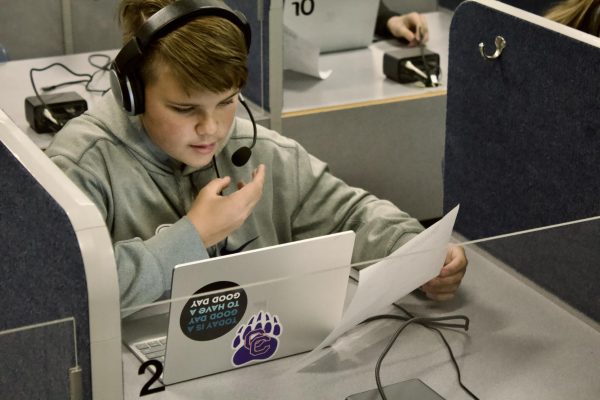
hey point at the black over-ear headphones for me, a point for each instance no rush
(125, 80)
(126, 83)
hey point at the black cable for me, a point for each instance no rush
(58, 85)
(57, 64)
(432, 323)
(455, 363)
(436, 323)
(422, 321)
(214, 160)
(103, 67)
(456, 367)
(217, 248)
(428, 81)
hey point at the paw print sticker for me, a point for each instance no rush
(258, 340)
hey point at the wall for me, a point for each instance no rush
(34, 28)
(27, 34)
(403, 6)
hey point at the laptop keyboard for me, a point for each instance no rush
(152, 349)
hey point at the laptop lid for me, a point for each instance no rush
(332, 25)
(242, 309)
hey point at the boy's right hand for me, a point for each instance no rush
(216, 216)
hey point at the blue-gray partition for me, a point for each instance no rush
(522, 141)
(257, 13)
(43, 280)
(60, 323)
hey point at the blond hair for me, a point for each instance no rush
(579, 14)
(208, 53)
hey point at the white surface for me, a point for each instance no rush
(301, 55)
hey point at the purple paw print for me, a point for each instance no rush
(257, 340)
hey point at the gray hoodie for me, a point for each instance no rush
(144, 196)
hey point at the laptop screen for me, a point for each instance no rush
(332, 25)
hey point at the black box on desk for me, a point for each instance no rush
(63, 106)
(398, 64)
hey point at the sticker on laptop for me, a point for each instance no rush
(257, 340)
(210, 316)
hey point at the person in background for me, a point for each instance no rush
(579, 14)
(411, 27)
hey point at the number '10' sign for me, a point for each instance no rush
(304, 7)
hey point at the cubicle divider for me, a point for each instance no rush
(42, 281)
(59, 331)
(522, 140)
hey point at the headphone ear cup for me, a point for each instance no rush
(118, 86)
(136, 90)
(128, 92)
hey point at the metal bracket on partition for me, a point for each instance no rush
(75, 383)
(500, 45)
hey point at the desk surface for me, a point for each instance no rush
(357, 78)
(521, 345)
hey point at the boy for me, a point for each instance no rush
(155, 176)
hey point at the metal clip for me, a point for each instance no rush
(500, 45)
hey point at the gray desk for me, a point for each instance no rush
(374, 132)
(16, 86)
(521, 345)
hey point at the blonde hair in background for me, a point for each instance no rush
(579, 14)
(208, 53)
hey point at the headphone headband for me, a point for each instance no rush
(181, 12)
(126, 84)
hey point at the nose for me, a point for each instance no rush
(206, 125)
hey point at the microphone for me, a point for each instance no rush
(241, 156)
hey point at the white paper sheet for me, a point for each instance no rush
(379, 285)
(301, 55)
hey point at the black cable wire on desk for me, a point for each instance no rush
(105, 67)
(410, 315)
(89, 78)
(432, 323)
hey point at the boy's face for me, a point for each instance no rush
(189, 128)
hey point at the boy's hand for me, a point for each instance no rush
(446, 283)
(216, 216)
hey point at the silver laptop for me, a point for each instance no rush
(332, 25)
(242, 309)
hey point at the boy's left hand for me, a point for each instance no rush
(444, 286)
